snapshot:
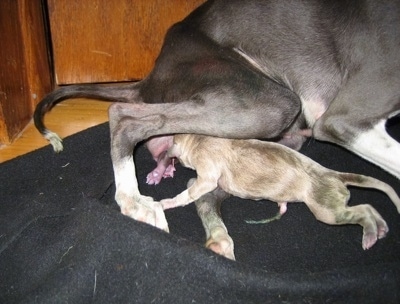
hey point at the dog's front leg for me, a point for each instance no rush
(132, 203)
(128, 197)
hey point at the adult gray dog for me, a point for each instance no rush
(257, 69)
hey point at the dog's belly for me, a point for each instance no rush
(313, 109)
(259, 189)
(313, 106)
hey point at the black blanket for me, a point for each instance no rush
(63, 239)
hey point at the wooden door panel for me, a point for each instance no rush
(24, 64)
(110, 40)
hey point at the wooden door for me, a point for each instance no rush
(24, 64)
(110, 40)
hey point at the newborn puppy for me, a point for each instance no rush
(254, 169)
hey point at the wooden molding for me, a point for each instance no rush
(24, 65)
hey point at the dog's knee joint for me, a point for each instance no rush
(333, 129)
(114, 110)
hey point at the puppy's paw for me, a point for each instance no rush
(382, 230)
(154, 177)
(221, 243)
(372, 234)
(169, 172)
(369, 240)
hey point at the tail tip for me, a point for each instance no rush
(54, 140)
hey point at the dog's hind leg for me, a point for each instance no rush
(371, 141)
(225, 115)
(195, 87)
(208, 209)
(377, 146)
(368, 96)
(362, 130)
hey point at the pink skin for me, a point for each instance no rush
(303, 132)
(282, 208)
(158, 147)
(165, 168)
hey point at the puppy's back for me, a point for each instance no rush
(252, 168)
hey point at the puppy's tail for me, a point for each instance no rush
(112, 93)
(370, 182)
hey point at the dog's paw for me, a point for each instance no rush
(146, 210)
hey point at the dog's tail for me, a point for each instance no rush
(112, 93)
(370, 182)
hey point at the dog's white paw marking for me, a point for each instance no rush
(147, 211)
(132, 203)
(378, 147)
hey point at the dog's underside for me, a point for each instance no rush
(256, 69)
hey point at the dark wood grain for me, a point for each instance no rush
(24, 66)
(107, 41)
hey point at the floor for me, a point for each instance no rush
(68, 117)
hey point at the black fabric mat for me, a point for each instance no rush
(63, 239)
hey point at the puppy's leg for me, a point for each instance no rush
(331, 208)
(208, 209)
(365, 215)
(198, 188)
